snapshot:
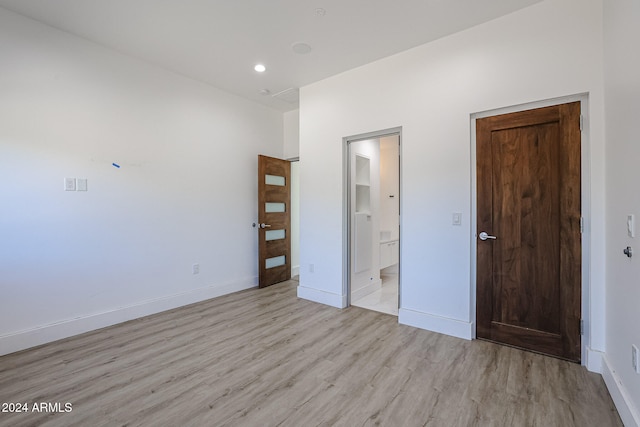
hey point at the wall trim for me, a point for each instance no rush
(295, 271)
(430, 322)
(25, 339)
(593, 360)
(322, 297)
(369, 288)
(628, 412)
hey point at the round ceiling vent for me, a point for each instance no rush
(301, 48)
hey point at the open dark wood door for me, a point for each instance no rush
(529, 257)
(274, 220)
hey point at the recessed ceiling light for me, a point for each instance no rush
(320, 11)
(260, 68)
(301, 48)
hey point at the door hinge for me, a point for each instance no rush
(581, 224)
(581, 122)
(581, 327)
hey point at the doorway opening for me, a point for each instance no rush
(373, 221)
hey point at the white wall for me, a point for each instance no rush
(185, 192)
(389, 186)
(291, 121)
(295, 218)
(622, 85)
(548, 50)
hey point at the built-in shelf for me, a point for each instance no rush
(363, 170)
(362, 217)
(363, 184)
(363, 198)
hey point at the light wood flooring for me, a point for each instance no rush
(262, 357)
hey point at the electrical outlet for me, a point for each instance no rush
(81, 184)
(195, 268)
(311, 268)
(634, 359)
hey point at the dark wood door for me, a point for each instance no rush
(274, 220)
(529, 266)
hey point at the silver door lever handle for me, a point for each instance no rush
(485, 236)
(263, 225)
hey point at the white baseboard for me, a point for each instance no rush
(322, 297)
(594, 360)
(369, 288)
(628, 412)
(22, 340)
(389, 271)
(433, 323)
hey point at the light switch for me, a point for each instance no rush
(82, 184)
(457, 218)
(631, 225)
(69, 184)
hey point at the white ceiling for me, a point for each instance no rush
(219, 41)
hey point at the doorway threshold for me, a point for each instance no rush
(384, 300)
